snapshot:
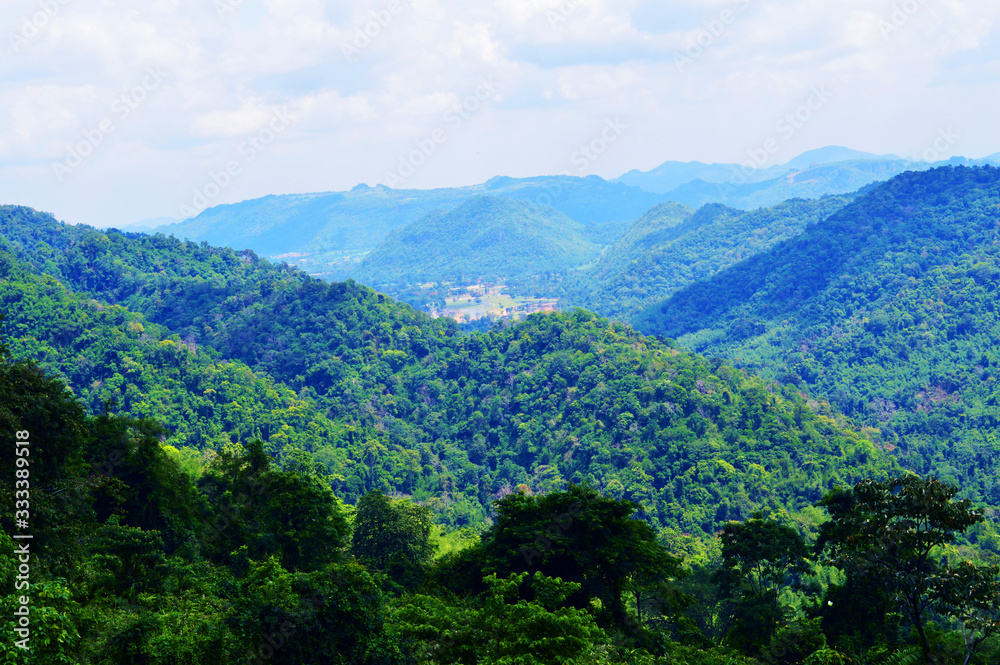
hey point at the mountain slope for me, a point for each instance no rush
(667, 177)
(383, 397)
(111, 356)
(887, 308)
(670, 248)
(327, 231)
(487, 237)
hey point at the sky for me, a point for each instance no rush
(115, 111)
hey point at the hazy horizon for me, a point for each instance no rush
(125, 112)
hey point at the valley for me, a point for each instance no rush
(743, 371)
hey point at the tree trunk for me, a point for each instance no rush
(918, 622)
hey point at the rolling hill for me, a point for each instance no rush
(672, 246)
(487, 237)
(887, 308)
(376, 395)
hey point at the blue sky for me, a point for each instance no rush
(115, 111)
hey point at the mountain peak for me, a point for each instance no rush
(831, 154)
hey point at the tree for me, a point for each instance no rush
(579, 536)
(971, 594)
(392, 536)
(271, 511)
(501, 628)
(336, 614)
(885, 533)
(758, 556)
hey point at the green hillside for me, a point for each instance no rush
(487, 237)
(671, 247)
(113, 357)
(451, 420)
(887, 309)
(621, 501)
(325, 233)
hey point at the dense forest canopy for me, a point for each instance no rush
(888, 309)
(394, 400)
(234, 462)
(672, 246)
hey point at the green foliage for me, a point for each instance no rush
(887, 311)
(672, 246)
(971, 594)
(825, 657)
(271, 512)
(503, 629)
(392, 536)
(759, 558)
(889, 534)
(580, 537)
(487, 237)
(284, 618)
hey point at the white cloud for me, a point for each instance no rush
(564, 66)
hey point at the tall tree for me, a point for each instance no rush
(758, 558)
(887, 533)
(579, 536)
(392, 536)
(271, 511)
(971, 594)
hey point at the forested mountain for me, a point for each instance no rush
(452, 420)
(887, 308)
(624, 501)
(668, 176)
(488, 237)
(327, 233)
(115, 359)
(672, 246)
(328, 230)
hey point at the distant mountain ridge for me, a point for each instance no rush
(817, 173)
(887, 308)
(330, 234)
(489, 237)
(667, 177)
